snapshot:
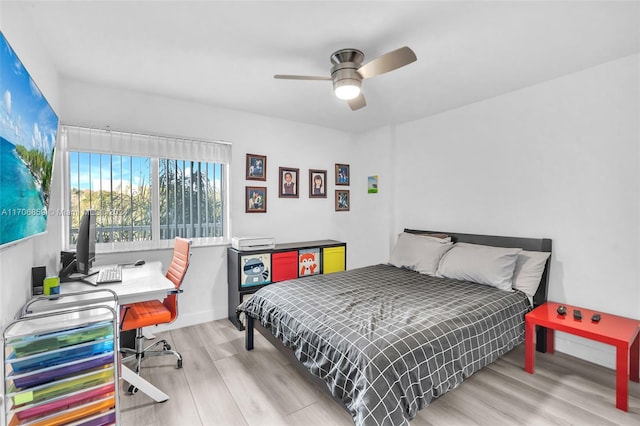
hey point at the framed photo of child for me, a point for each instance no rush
(256, 199)
(288, 185)
(342, 174)
(256, 167)
(317, 183)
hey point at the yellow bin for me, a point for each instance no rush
(333, 259)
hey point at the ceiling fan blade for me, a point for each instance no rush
(388, 62)
(299, 77)
(357, 102)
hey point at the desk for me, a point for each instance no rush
(621, 332)
(139, 283)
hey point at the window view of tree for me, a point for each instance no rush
(190, 199)
(119, 189)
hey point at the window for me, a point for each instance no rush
(118, 188)
(190, 199)
(143, 201)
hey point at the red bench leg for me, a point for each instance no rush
(634, 370)
(622, 377)
(529, 345)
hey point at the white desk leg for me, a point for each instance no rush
(132, 378)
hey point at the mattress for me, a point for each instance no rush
(387, 341)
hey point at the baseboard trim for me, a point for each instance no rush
(186, 319)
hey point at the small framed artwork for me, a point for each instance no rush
(256, 199)
(288, 182)
(342, 174)
(372, 185)
(317, 183)
(256, 167)
(342, 200)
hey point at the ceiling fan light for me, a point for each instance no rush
(347, 89)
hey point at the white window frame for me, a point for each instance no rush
(168, 148)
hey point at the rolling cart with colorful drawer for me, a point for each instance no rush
(61, 367)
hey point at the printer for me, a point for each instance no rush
(253, 243)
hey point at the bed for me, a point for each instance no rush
(385, 340)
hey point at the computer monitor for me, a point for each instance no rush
(86, 244)
(85, 252)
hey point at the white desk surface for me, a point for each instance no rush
(139, 283)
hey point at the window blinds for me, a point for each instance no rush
(84, 139)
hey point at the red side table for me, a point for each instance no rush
(623, 333)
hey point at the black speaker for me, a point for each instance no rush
(38, 274)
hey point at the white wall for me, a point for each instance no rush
(286, 144)
(559, 160)
(370, 221)
(17, 260)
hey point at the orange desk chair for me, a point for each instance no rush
(135, 316)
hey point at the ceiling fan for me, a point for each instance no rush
(348, 72)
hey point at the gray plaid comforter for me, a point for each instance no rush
(387, 341)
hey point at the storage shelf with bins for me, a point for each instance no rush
(61, 368)
(247, 271)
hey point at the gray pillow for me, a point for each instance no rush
(488, 265)
(528, 271)
(418, 252)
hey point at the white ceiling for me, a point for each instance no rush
(226, 53)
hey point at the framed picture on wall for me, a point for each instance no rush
(288, 185)
(256, 167)
(317, 183)
(342, 174)
(256, 199)
(342, 200)
(372, 184)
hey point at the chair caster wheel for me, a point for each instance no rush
(132, 390)
(179, 363)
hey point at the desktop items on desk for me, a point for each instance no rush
(113, 274)
(81, 260)
(51, 285)
(38, 274)
(41, 284)
(67, 265)
(77, 266)
(66, 257)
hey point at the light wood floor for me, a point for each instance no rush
(222, 384)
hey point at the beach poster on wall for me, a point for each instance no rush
(28, 130)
